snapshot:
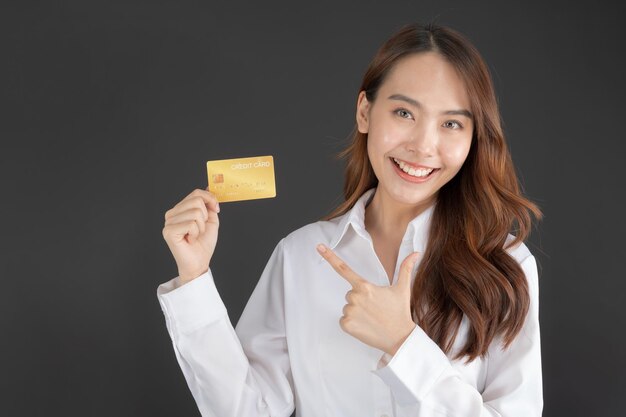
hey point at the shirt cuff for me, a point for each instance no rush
(414, 369)
(192, 305)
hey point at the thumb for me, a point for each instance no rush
(404, 278)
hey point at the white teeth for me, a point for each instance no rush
(420, 172)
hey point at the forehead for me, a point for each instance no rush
(429, 78)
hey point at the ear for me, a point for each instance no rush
(362, 113)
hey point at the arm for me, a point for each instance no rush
(420, 372)
(232, 373)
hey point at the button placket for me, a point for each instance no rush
(406, 247)
(381, 276)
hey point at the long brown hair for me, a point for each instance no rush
(465, 268)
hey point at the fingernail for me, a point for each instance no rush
(217, 206)
(321, 248)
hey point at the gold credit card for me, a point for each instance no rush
(242, 178)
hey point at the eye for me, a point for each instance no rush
(453, 124)
(405, 114)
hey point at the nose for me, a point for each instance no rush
(423, 139)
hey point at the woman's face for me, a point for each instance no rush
(421, 117)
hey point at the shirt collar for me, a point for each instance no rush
(416, 231)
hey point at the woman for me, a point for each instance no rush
(418, 300)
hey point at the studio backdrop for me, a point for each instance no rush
(110, 110)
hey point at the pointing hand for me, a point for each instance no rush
(379, 316)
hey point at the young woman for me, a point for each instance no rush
(412, 298)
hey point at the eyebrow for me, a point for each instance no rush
(415, 103)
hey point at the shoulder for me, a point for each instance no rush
(524, 258)
(527, 262)
(519, 252)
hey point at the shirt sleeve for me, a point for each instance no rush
(420, 372)
(232, 372)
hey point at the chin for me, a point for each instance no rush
(410, 198)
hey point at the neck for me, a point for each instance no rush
(387, 217)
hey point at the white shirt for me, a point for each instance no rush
(288, 349)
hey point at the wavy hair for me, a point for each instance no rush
(465, 268)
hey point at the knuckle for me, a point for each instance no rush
(365, 288)
(343, 267)
(346, 323)
(198, 195)
(209, 194)
(198, 212)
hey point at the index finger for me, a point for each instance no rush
(206, 195)
(206, 199)
(339, 265)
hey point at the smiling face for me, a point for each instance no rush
(421, 117)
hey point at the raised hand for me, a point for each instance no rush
(191, 229)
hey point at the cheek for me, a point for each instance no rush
(384, 133)
(373, 154)
(382, 140)
(378, 144)
(454, 153)
(377, 147)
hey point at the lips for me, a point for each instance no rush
(412, 178)
(421, 168)
(410, 164)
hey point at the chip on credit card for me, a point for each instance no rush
(242, 178)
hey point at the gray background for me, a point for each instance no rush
(109, 111)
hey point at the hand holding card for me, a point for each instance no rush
(190, 232)
(191, 226)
